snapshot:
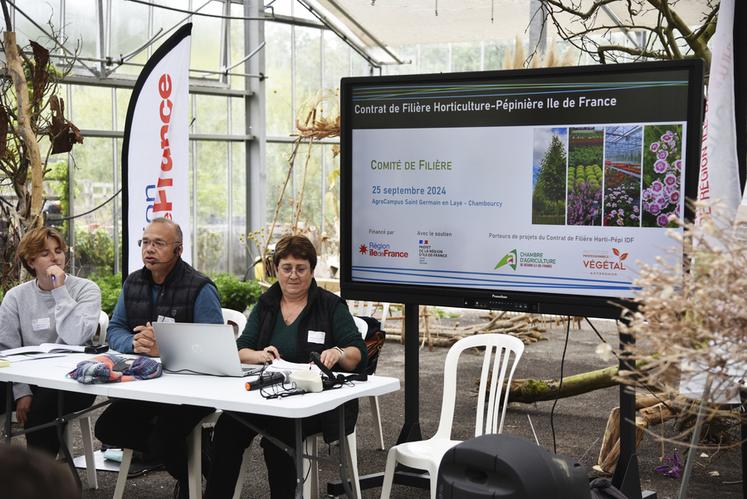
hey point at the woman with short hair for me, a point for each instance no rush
(54, 307)
(291, 320)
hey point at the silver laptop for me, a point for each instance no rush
(188, 348)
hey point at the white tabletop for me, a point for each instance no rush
(208, 391)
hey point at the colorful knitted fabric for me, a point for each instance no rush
(111, 368)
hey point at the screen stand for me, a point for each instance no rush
(626, 477)
(411, 428)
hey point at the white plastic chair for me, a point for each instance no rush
(234, 317)
(103, 326)
(87, 438)
(373, 400)
(427, 454)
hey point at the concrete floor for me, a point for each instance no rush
(579, 424)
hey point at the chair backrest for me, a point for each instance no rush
(502, 354)
(236, 318)
(103, 326)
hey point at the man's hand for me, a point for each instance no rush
(56, 275)
(144, 341)
(23, 407)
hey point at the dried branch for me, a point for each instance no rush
(590, 34)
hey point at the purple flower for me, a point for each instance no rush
(671, 466)
(674, 197)
(662, 154)
(667, 137)
(678, 165)
(654, 208)
(654, 147)
(661, 166)
(657, 186)
(620, 221)
(662, 220)
(669, 189)
(670, 179)
(635, 209)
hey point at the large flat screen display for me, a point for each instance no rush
(534, 190)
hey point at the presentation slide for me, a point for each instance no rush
(564, 184)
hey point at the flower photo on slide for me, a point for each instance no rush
(662, 174)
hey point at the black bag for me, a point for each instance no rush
(602, 488)
(374, 341)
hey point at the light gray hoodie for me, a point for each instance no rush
(31, 316)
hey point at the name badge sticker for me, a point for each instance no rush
(316, 336)
(163, 318)
(40, 324)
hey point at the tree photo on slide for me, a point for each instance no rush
(548, 171)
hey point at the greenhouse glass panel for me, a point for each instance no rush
(212, 114)
(277, 171)
(206, 40)
(128, 29)
(278, 84)
(91, 107)
(93, 185)
(212, 206)
(123, 101)
(44, 14)
(434, 59)
(238, 209)
(465, 57)
(81, 24)
(308, 79)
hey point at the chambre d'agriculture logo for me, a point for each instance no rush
(528, 259)
(509, 259)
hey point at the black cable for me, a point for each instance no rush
(71, 217)
(560, 385)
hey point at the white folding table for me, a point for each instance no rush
(225, 393)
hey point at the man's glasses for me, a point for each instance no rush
(157, 243)
(300, 270)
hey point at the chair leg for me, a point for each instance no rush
(352, 463)
(434, 480)
(194, 462)
(376, 413)
(87, 436)
(391, 464)
(311, 468)
(242, 474)
(124, 468)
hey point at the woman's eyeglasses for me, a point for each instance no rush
(300, 270)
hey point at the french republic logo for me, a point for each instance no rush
(381, 249)
(427, 252)
(509, 259)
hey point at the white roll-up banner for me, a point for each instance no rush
(719, 166)
(155, 159)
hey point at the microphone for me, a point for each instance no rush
(265, 379)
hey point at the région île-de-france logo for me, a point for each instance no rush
(509, 259)
(381, 249)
